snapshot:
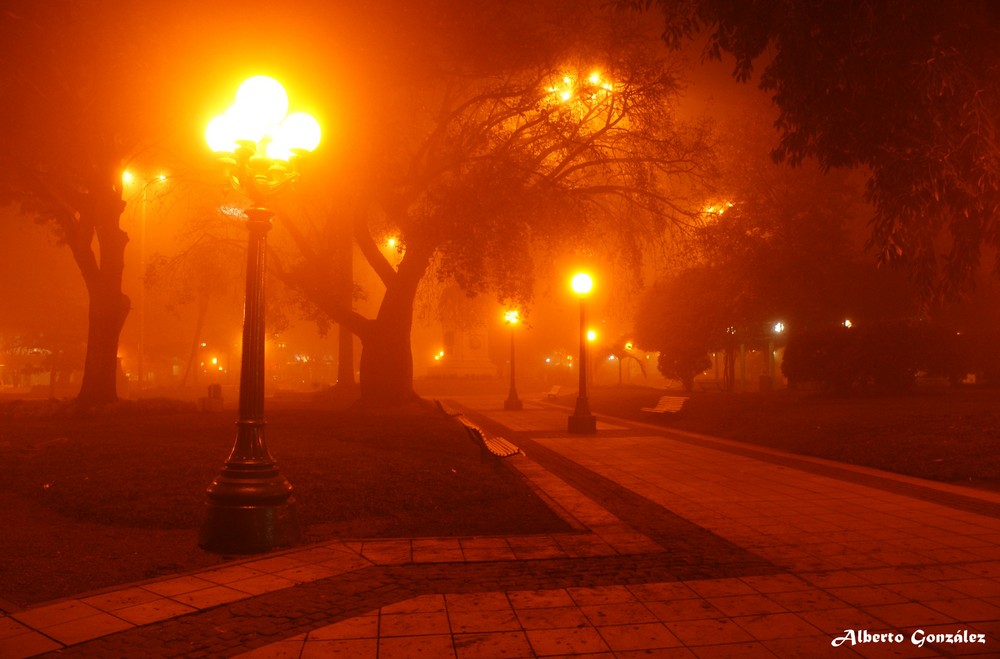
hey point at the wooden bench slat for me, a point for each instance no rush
(667, 404)
(495, 445)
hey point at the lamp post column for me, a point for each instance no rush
(582, 422)
(512, 402)
(250, 505)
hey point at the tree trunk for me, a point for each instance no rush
(386, 355)
(108, 305)
(344, 286)
(106, 316)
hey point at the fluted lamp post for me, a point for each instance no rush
(582, 422)
(250, 506)
(512, 317)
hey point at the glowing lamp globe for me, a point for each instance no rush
(512, 317)
(262, 100)
(220, 135)
(582, 283)
(298, 132)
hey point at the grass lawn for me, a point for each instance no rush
(946, 434)
(90, 502)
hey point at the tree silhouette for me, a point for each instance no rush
(564, 146)
(907, 91)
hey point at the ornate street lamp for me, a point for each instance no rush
(513, 402)
(250, 506)
(582, 422)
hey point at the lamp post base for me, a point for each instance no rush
(582, 425)
(251, 529)
(513, 404)
(250, 506)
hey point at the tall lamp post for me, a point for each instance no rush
(512, 317)
(250, 506)
(582, 422)
(128, 178)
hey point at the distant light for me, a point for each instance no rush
(847, 323)
(779, 327)
(629, 346)
(127, 177)
(591, 335)
(548, 360)
(512, 317)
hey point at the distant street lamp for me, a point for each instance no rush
(582, 422)
(250, 506)
(129, 178)
(513, 402)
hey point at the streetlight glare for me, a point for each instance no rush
(591, 335)
(262, 98)
(512, 317)
(298, 132)
(582, 283)
(258, 116)
(220, 136)
(127, 177)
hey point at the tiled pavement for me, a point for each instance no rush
(687, 546)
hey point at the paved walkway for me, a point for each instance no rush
(685, 546)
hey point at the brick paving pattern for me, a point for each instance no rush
(687, 546)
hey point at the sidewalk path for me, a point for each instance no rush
(686, 546)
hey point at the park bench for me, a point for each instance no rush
(554, 391)
(490, 445)
(667, 404)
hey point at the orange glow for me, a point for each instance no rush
(298, 131)
(591, 335)
(259, 116)
(718, 209)
(512, 317)
(127, 177)
(582, 283)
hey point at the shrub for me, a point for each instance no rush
(887, 355)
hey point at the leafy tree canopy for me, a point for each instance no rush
(909, 91)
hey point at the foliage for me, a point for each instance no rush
(73, 93)
(685, 362)
(908, 91)
(887, 355)
(496, 160)
(683, 321)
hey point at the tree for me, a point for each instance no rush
(909, 91)
(773, 247)
(683, 318)
(499, 154)
(622, 350)
(72, 89)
